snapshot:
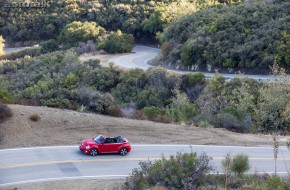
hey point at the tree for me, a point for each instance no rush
(242, 103)
(240, 164)
(118, 43)
(180, 109)
(1, 45)
(271, 112)
(80, 32)
(213, 99)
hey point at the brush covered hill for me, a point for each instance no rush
(252, 35)
(140, 18)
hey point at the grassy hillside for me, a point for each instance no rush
(246, 35)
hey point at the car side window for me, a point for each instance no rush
(108, 140)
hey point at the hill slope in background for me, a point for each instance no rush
(31, 23)
(247, 35)
(64, 127)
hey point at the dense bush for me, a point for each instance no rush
(118, 43)
(5, 96)
(250, 34)
(152, 112)
(228, 121)
(83, 47)
(274, 182)
(49, 46)
(77, 31)
(183, 171)
(92, 63)
(96, 101)
(5, 112)
(189, 171)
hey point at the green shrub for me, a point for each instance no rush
(70, 81)
(203, 123)
(83, 47)
(153, 96)
(35, 117)
(77, 31)
(5, 112)
(181, 109)
(183, 171)
(56, 102)
(118, 43)
(103, 79)
(92, 63)
(191, 80)
(96, 101)
(275, 182)
(49, 46)
(240, 164)
(228, 121)
(5, 96)
(152, 112)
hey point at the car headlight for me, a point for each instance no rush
(87, 147)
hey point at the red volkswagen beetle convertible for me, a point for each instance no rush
(102, 145)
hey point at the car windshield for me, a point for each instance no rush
(99, 139)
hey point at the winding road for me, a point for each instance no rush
(142, 54)
(67, 162)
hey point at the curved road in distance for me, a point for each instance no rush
(68, 162)
(142, 54)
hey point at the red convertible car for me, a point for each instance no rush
(102, 145)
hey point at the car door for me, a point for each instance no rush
(115, 146)
(107, 146)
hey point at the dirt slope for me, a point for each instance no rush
(65, 127)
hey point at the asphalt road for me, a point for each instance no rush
(142, 54)
(67, 162)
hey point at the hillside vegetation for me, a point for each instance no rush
(246, 35)
(140, 18)
(59, 79)
(205, 34)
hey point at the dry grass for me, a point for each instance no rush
(65, 127)
(35, 117)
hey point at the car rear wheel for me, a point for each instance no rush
(123, 151)
(94, 152)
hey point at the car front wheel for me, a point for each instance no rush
(94, 152)
(123, 151)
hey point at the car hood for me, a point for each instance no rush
(88, 142)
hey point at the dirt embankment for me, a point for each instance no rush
(66, 127)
